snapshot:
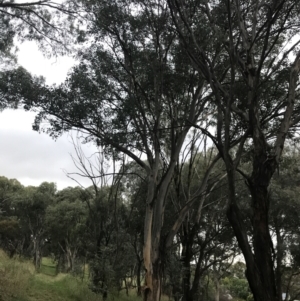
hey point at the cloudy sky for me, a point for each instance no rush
(29, 156)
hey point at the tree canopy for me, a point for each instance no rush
(157, 80)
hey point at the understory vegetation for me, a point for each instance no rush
(19, 281)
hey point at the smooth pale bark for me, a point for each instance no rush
(154, 219)
(138, 277)
(71, 256)
(148, 264)
(217, 289)
(279, 259)
(152, 243)
(37, 253)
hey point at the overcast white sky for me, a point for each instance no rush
(29, 156)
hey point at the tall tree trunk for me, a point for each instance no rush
(152, 234)
(279, 258)
(152, 242)
(157, 279)
(138, 276)
(148, 293)
(187, 254)
(71, 255)
(69, 262)
(154, 219)
(262, 241)
(195, 291)
(260, 265)
(217, 288)
(186, 277)
(37, 253)
(153, 277)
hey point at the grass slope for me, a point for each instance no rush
(19, 282)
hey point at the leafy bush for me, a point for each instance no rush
(237, 287)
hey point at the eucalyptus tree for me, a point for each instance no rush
(255, 88)
(12, 238)
(41, 21)
(106, 232)
(66, 224)
(16, 86)
(134, 189)
(205, 237)
(10, 189)
(211, 252)
(31, 211)
(107, 241)
(284, 221)
(133, 92)
(49, 24)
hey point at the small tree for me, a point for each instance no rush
(66, 224)
(31, 210)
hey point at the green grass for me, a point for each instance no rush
(48, 267)
(132, 296)
(19, 282)
(60, 288)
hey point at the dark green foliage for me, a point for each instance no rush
(66, 225)
(131, 87)
(47, 23)
(6, 39)
(108, 247)
(18, 86)
(10, 231)
(40, 21)
(150, 72)
(237, 287)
